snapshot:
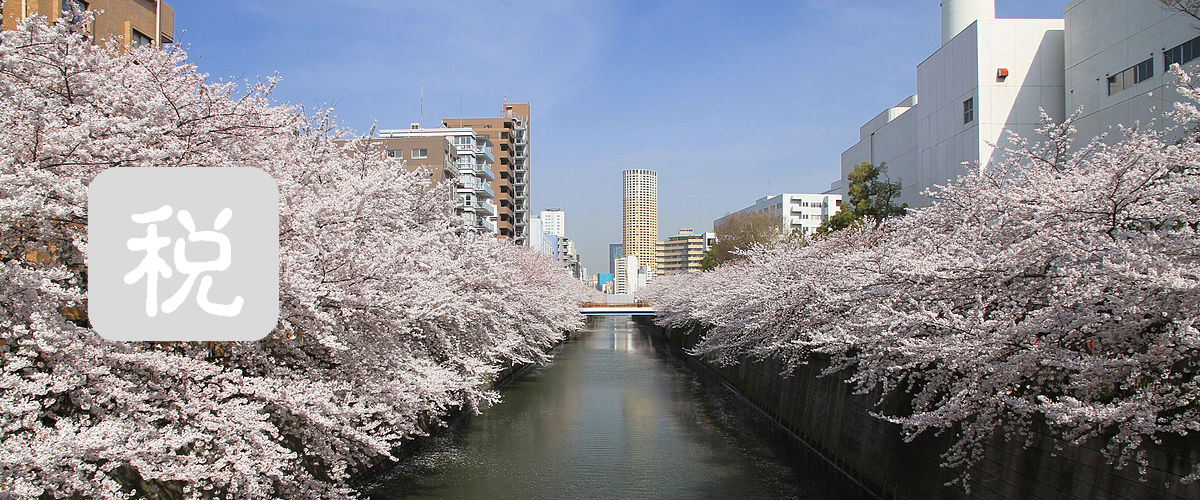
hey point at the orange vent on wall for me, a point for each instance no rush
(1002, 73)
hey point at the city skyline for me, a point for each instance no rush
(621, 78)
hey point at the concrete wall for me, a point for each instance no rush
(890, 138)
(1104, 37)
(967, 67)
(826, 415)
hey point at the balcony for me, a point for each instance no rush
(480, 188)
(488, 207)
(483, 171)
(489, 225)
(474, 150)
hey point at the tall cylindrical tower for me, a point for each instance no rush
(639, 215)
(958, 14)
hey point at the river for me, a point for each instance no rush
(613, 417)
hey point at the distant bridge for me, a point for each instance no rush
(609, 309)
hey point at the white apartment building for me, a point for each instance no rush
(475, 176)
(1107, 58)
(796, 211)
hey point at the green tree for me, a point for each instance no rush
(870, 194)
(738, 232)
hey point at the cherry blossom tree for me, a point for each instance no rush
(1058, 285)
(390, 316)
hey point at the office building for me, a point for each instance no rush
(460, 155)
(989, 76)
(631, 276)
(615, 251)
(625, 279)
(133, 22)
(639, 214)
(602, 280)
(510, 135)
(797, 212)
(554, 221)
(683, 252)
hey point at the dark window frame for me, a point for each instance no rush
(968, 110)
(1130, 76)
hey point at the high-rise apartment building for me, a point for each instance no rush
(133, 22)
(458, 154)
(554, 221)
(510, 134)
(639, 214)
(683, 252)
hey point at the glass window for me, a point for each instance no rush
(420, 153)
(1131, 76)
(1182, 53)
(69, 5)
(140, 39)
(1115, 84)
(969, 110)
(1144, 70)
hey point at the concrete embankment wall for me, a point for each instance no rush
(826, 415)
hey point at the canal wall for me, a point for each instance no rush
(827, 416)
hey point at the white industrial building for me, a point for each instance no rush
(1117, 53)
(993, 75)
(796, 211)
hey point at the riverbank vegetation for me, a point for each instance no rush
(1058, 286)
(389, 315)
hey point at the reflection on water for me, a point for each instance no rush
(611, 417)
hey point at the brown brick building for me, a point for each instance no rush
(510, 135)
(133, 22)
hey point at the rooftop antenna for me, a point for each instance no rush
(460, 113)
(421, 116)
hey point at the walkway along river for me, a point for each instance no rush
(613, 417)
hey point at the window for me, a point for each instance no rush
(420, 153)
(1131, 76)
(969, 110)
(395, 153)
(140, 39)
(68, 5)
(1182, 53)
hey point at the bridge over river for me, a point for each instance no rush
(614, 416)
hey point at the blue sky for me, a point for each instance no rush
(728, 101)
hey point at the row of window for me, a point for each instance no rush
(417, 154)
(1182, 53)
(1179, 54)
(1131, 76)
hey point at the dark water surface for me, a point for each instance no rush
(612, 417)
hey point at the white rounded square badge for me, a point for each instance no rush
(183, 254)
